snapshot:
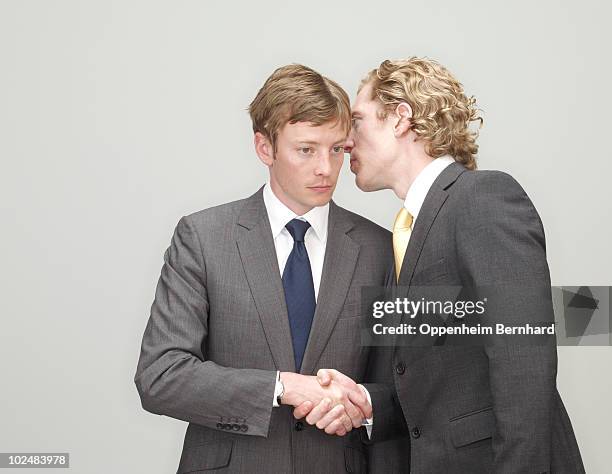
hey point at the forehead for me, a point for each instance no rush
(330, 132)
(364, 103)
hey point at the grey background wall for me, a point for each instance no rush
(119, 117)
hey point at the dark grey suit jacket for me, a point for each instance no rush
(218, 331)
(470, 409)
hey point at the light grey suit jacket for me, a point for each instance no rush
(469, 409)
(219, 330)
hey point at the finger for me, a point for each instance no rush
(319, 411)
(332, 415)
(357, 395)
(354, 414)
(341, 378)
(303, 409)
(335, 426)
(324, 377)
(346, 422)
(359, 398)
(341, 432)
(365, 410)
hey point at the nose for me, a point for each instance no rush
(324, 165)
(349, 144)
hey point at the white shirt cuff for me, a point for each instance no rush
(369, 422)
(277, 390)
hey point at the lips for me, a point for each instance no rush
(320, 189)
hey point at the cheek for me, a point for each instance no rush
(368, 142)
(286, 167)
(378, 142)
(369, 137)
(337, 165)
(295, 174)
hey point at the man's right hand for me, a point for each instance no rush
(327, 414)
(332, 403)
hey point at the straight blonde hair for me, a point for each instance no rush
(297, 93)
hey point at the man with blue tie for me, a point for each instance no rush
(256, 295)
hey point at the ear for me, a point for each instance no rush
(403, 114)
(264, 149)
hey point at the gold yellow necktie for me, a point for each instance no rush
(402, 228)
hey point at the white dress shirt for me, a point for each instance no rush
(420, 187)
(315, 239)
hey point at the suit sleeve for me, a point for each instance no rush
(173, 377)
(388, 419)
(501, 248)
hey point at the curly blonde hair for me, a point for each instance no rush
(441, 112)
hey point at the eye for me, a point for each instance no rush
(338, 149)
(306, 150)
(354, 122)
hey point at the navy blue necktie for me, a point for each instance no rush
(299, 290)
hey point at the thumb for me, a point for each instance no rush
(324, 377)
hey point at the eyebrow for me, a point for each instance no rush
(309, 142)
(356, 113)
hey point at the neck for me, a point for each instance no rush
(408, 166)
(298, 209)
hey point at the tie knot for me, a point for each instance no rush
(297, 229)
(403, 220)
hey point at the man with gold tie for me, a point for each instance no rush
(454, 409)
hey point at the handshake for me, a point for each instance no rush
(331, 400)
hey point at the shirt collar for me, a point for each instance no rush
(279, 215)
(420, 187)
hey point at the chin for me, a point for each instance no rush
(316, 201)
(321, 201)
(364, 184)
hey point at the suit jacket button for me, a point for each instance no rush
(400, 368)
(236, 427)
(299, 426)
(416, 432)
(244, 428)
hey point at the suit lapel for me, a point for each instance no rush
(338, 267)
(435, 199)
(260, 264)
(431, 206)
